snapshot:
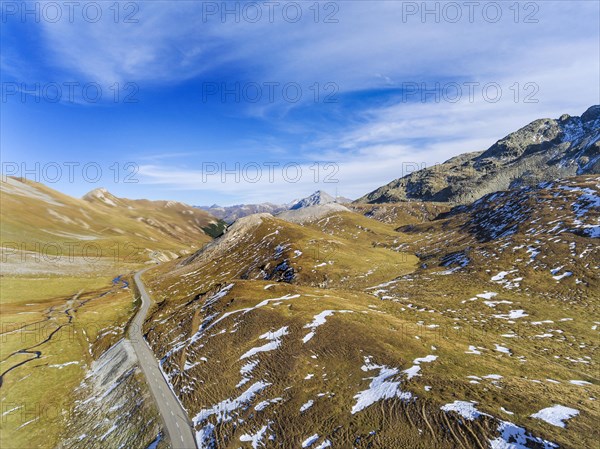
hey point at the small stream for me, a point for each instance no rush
(49, 314)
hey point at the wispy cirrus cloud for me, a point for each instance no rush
(368, 46)
(393, 142)
(371, 54)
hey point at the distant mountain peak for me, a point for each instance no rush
(318, 198)
(95, 193)
(592, 114)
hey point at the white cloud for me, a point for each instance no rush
(369, 48)
(394, 141)
(166, 44)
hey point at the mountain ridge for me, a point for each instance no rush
(229, 214)
(155, 230)
(543, 150)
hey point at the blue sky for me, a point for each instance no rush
(365, 58)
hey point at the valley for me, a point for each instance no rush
(67, 297)
(387, 322)
(300, 225)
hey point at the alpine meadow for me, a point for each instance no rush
(300, 224)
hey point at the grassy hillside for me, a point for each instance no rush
(41, 226)
(456, 332)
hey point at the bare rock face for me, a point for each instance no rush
(544, 150)
(317, 198)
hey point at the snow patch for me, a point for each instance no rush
(310, 440)
(503, 349)
(274, 343)
(515, 437)
(465, 409)
(380, 387)
(255, 439)
(581, 383)
(556, 415)
(307, 405)
(224, 409)
(319, 320)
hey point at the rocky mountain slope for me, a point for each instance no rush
(412, 324)
(474, 329)
(544, 150)
(318, 198)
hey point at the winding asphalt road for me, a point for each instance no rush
(176, 421)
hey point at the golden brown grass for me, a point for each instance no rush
(425, 312)
(39, 393)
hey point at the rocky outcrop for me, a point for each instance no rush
(316, 199)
